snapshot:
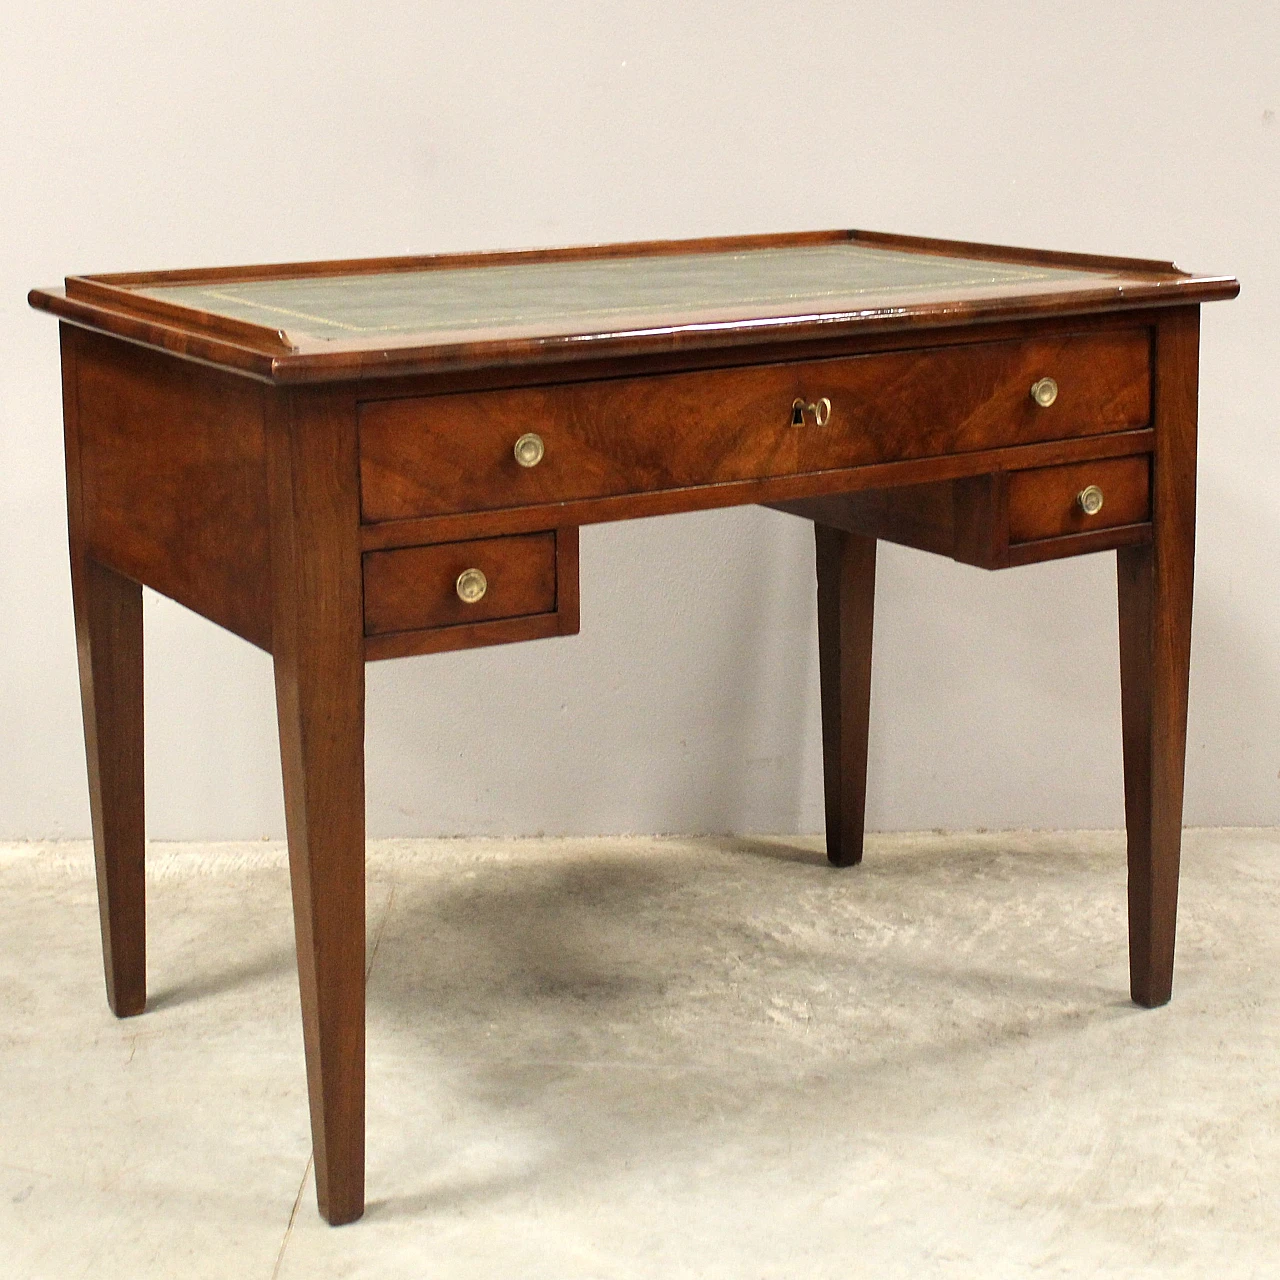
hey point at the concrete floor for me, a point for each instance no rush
(675, 1058)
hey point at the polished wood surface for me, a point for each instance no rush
(774, 491)
(173, 460)
(415, 598)
(109, 639)
(416, 587)
(108, 622)
(1155, 588)
(846, 571)
(1000, 518)
(444, 454)
(321, 503)
(1045, 503)
(317, 639)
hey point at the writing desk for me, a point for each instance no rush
(346, 461)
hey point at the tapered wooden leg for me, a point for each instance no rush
(319, 667)
(322, 753)
(108, 613)
(108, 618)
(1155, 588)
(846, 600)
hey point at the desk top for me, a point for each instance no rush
(325, 321)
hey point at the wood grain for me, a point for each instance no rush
(1044, 503)
(240, 332)
(771, 491)
(416, 587)
(999, 519)
(319, 669)
(1015, 253)
(173, 468)
(963, 519)
(846, 564)
(243, 500)
(561, 620)
(1155, 589)
(446, 454)
(109, 641)
(1077, 544)
(108, 621)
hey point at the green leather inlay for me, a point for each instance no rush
(603, 294)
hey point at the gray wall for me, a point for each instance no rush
(145, 135)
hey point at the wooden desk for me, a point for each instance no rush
(347, 461)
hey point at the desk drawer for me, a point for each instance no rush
(1002, 518)
(438, 455)
(1050, 502)
(454, 583)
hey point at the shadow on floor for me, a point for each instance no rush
(618, 1005)
(239, 974)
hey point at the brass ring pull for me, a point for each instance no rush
(820, 409)
(471, 586)
(529, 449)
(1044, 391)
(1090, 500)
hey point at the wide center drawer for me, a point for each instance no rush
(443, 454)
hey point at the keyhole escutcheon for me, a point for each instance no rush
(819, 410)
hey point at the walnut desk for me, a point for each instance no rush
(345, 461)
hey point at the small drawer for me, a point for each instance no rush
(1051, 502)
(1003, 518)
(451, 584)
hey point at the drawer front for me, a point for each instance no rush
(414, 588)
(1047, 502)
(438, 455)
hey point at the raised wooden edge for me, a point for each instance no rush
(1013, 253)
(184, 343)
(477, 258)
(118, 291)
(242, 332)
(564, 620)
(106, 302)
(452, 528)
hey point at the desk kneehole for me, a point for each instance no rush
(454, 595)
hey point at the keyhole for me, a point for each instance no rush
(797, 413)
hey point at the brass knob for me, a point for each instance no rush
(529, 449)
(1090, 500)
(472, 584)
(1044, 391)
